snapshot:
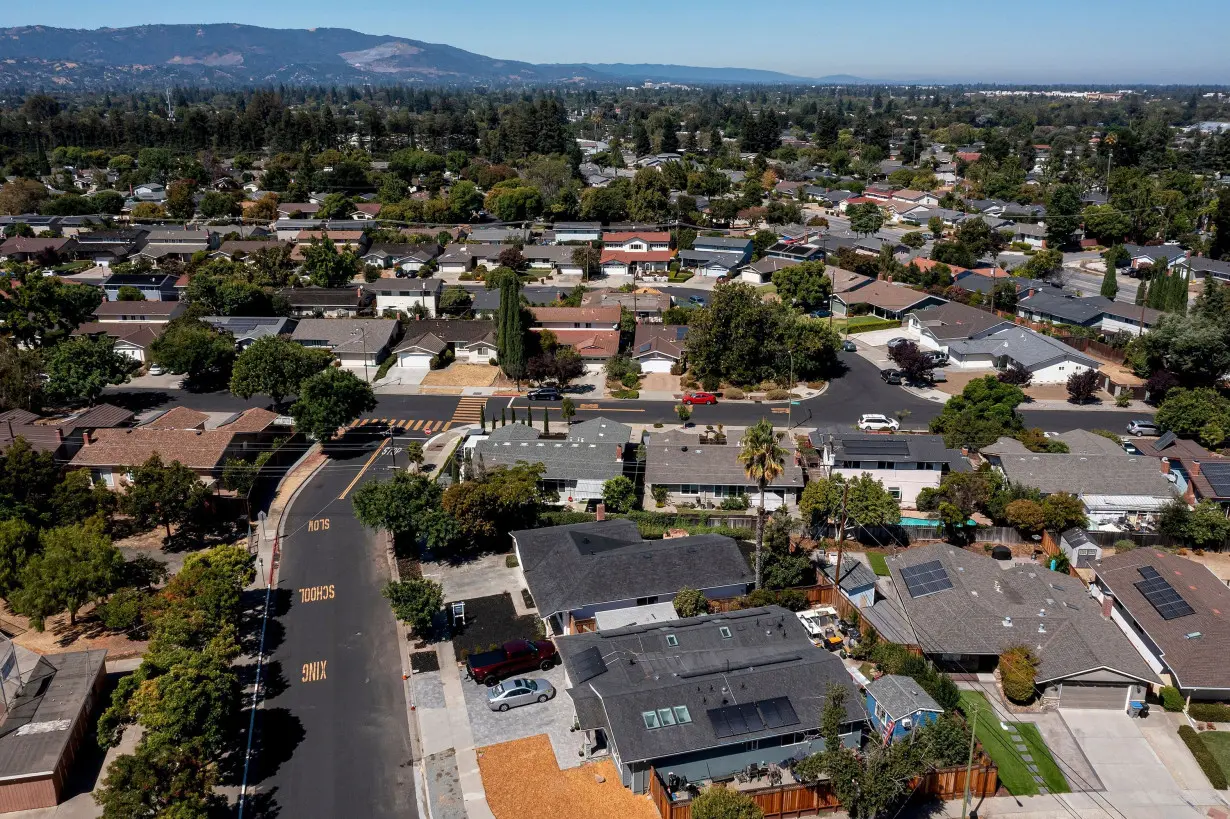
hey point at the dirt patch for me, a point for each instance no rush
(660, 382)
(492, 621)
(58, 636)
(523, 781)
(1059, 392)
(424, 661)
(462, 375)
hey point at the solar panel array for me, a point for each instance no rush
(1161, 595)
(588, 664)
(750, 717)
(1165, 441)
(881, 446)
(926, 578)
(1218, 476)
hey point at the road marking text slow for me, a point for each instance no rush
(318, 525)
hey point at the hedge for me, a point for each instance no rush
(1204, 757)
(1172, 700)
(1208, 712)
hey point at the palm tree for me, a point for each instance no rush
(763, 458)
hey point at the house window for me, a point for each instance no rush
(672, 640)
(681, 715)
(646, 601)
(885, 465)
(651, 719)
(689, 489)
(895, 491)
(725, 632)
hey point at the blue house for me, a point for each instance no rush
(897, 705)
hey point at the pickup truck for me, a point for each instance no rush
(489, 667)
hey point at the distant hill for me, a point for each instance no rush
(226, 55)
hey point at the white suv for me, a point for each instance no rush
(873, 422)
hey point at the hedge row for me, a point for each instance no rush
(1209, 712)
(1205, 758)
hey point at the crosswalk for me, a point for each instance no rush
(427, 427)
(469, 410)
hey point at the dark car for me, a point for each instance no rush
(489, 667)
(894, 377)
(849, 346)
(696, 300)
(894, 343)
(544, 394)
(699, 398)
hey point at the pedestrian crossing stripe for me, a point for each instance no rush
(470, 410)
(407, 425)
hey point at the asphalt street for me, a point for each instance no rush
(332, 738)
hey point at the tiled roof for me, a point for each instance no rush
(128, 447)
(255, 419)
(599, 344)
(593, 315)
(178, 418)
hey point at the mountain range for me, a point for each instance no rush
(227, 55)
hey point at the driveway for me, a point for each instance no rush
(1121, 756)
(553, 718)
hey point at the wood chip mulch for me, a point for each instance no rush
(523, 781)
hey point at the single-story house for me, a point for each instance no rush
(706, 474)
(936, 327)
(37, 223)
(178, 243)
(60, 436)
(884, 299)
(576, 318)
(404, 295)
(1031, 234)
(963, 608)
(1049, 360)
(342, 302)
(564, 232)
(576, 570)
(594, 346)
(576, 467)
(240, 249)
(761, 271)
(132, 338)
(1173, 611)
(355, 343)
(897, 705)
(738, 246)
(288, 230)
(153, 286)
(108, 453)
(110, 246)
(288, 210)
(1146, 255)
(555, 258)
(1201, 268)
(23, 249)
(1197, 473)
(151, 312)
(700, 699)
(709, 263)
(905, 464)
(487, 302)
(247, 329)
(499, 235)
(645, 303)
(659, 347)
(633, 263)
(472, 342)
(406, 258)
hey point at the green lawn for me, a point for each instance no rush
(1218, 743)
(859, 323)
(997, 742)
(879, 563)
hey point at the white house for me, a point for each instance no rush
(403, 295)
(704, 475)
(904, 464)
(659, 347)
(1050, 361)
(577, 232)
(472, 342)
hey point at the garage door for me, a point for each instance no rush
(414, 361)
(656, 365)
(1093, 696)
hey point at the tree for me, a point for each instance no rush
(22, 196)
(1106, 223)
(953, 254)
(163, 494)
(19, 377)
(276, 367)
(83, 366)
(958, 496)
(222, 294)
(936, 225)
(983, 412)
(326, 267)
(804, 285)
(914, 239)
(865, 218)
(180, 204)
(1200, 413)
(39, 311)
(1206, 525)
(1063, 215)
(718, 802)
(504, 499)
(401, 505)
(510, 330)
(868, 503)
(568, 409)
(159, 781)
(192, 347)
(619, 494)
(415, 602)
(690, 602)
(1026, 515)
(78, 565)
(763, 460)
(335, 206)
(649, 201)
(215, 205)
(18, 543)
(916, 364)
(1082, 385)
(455, 301)
(330, 400)
(1110, 284)
(264, 209)
(1018, 669)
(415, 453)
(148, 210)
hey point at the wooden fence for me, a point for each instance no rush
(789, 801)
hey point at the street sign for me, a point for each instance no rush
(795, 403)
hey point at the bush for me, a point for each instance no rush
(738, 503)
(690, 603)
(511, 562)
(717, 802)
(1172, 700)
(734, 394)
(777, 395)
(415, 602)
(1123, 399)
(711, 383)
(630, 380)
(677, 368)
(1018, 673)
(1206, 711)
(1205, 758)
(629, 394)
(124, 611)
(660, 493)
(1125, 545)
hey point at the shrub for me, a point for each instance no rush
(690, 603)
(415, 602)
(816, 385)
(1207, 711)
(1172, 700)
(1125, 545)
(630, 380)
(1123, 399)
(658, 425)
(124, 611)
(738, 503)
(1204, 757)
(1018, 673)
(659, 493)
(629, 394)
(777, 395)
(734, 394)
(711, 383)
(676, 369)
(717, 802)
(511, 562)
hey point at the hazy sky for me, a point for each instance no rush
(1042, 41)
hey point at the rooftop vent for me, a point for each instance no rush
(1041, 628)
(1007, 622)
(1193, 635)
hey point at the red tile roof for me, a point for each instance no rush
(590, 343)
(127, 447)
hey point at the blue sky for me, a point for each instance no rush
(1041, 41)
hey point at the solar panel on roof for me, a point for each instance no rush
(588, 664)
(1148, 572)
(717, 718)
(1218, 475)
(777, 712)
(886, 447)
(1166, 440)
(926, 578)
(1161, 595)
(735, 720)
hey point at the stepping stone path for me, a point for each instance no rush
(1023, 751)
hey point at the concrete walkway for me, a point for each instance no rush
(1167, 805)
(1065, 750)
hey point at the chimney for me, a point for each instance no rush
(1108, 604)
(600, 512)
(85, 439)
(1165, 466)
(1194, 467)
(619, 452)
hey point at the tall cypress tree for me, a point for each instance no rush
(1110, 285)
(1142, 292)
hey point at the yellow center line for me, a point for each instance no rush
(366, 466)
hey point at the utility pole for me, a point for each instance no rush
(969, 766)
(841, 543)
(789, 389)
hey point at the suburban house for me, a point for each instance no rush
(883, 299)
(110, 246)
(472, 342)
(149, 192)
(1197, 473)
(406, 258)
(615, 262)
(297, 210)
(936, 327)
(1172, 611)
(151, 312)
(1146, 255)
(247, 329)
(897, 705)
(342, 302)
(109, 453)
(1048, 359)
(704, 475)
(153, 286)
(761, 271)
(62, 436)
(577, 466)
(1029, 233)
(240, 249)
(404, 295)
(645, 304)
(352, 240)
(487, 302)
(355, 343)
(556, 258)
(132, 338)
(565, 232)
(905, 464)
(913, 197)
(1200, 268)
(499, 235)
(709, 263)
(575, 318)
(1057, 307)
(288, 230)
(1116, 488)
(659, 347)
(577, 570)
(697, 700)
(177, 243)
(738, 246)
(23, 249)
(963, 608)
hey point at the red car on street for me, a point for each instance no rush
(699, 398)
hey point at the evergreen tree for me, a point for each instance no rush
(1110, 285)
(1142, 292)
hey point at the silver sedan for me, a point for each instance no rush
(511, 693)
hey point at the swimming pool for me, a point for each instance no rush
(908, 521)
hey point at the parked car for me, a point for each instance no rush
(511, 693)
(691, 398)
(544, 394)
(698, 300)
(155, 369)
(489, 667)
(820, 313)
(891, 376)
(938, 358)
(894, 343)
(873, 421)
(849, 346)
(1143, 427)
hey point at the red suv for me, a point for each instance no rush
(699, 398)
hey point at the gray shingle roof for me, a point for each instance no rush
(901, 696)
(347, 335)
(592, 451)
(855, 575)
(989, 609)
(956, 320)
(1118, 474)
(1029, 349)
(618, 675)
(667, 462)
(1065, 306)
(569, 567)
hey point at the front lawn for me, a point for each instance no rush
(879, 563)
(998, 743)
(1218, 743)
